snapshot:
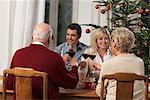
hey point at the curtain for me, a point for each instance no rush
(17, 19)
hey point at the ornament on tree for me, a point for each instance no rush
(102, 11)
(129, 16)
(147, 11)
(135, 42)
(139, 53)
(140, 11)
(116, 24)
(146, 43)
(97, 6)
(88, 31)
(106, 8)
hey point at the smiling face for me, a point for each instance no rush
(103, 41)
(72, 36)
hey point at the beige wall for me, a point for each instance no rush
(84, 12)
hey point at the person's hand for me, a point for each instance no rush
(96, 65)
(82, 64)
(73, 62)
(66, 57)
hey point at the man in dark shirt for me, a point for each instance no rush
(40, 58)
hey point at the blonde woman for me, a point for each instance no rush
(122, 40)
(99, 46)
(100, 41)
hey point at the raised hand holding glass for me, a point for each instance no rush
(70, 51)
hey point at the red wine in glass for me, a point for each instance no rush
(92, 56)
(71, 53)
(85, 55)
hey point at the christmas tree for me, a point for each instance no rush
(134, 15)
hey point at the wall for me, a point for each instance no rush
(84, 12)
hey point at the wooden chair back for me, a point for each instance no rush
(23, 82)
(125, 85)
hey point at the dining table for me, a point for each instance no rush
(77, 94)
(64, 94)
(67, 94)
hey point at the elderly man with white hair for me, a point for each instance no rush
(40, 58)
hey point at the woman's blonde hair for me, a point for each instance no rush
(96, 33)
(125, 39)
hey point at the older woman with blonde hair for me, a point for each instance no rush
(122, 40)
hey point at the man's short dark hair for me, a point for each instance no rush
(75, 26)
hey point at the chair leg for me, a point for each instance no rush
(4, 87)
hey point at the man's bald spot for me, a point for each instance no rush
(42, 28)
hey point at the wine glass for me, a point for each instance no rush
(85, 56)
(92, 57)
(71, 51)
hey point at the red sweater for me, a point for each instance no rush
(40, 58)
